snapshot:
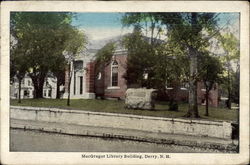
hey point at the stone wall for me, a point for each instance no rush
(218, 129)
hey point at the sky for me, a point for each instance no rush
(101, 26)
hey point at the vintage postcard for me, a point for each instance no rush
(124, 82)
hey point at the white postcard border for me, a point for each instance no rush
(125, 6)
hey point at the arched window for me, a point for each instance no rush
(114, 73)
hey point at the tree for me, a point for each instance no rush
(235, 86)
(58, 71)
(147, 23)
(186, 30)
(18, 67)
(176, 75)
(230, 44)
(42, 35)
(104, 55)
(75, 45)
(210, 72)
(140, 60)
(163, 62)
(145, 48)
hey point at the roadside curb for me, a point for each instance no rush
(214, 145)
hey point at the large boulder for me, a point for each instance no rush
(140, 98)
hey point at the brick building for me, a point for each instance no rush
(109, 82)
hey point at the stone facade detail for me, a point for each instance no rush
(82, 79)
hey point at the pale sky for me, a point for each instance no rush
(100, 26)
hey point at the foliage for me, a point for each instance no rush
(43, 36)
(76, 41)
(145, 49)
(172, 71)
(187, 31)
(74, 45)
(210, 69)
(140, 60)
(104, 55)
(147, 22)
(58, 71)
(235, 93)
(210, 73)
(230, 44)
(149, 55)
(18, 67)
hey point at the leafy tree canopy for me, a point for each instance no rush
(43, 36)
(105, 54)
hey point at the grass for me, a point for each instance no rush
(114, 106)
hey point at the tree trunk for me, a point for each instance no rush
(207, 95)
(192, 108)
(229, 89)
(57, 90)
(38, 82)
(70, 75)
(60, 76)
(19, 90)
(173, 104)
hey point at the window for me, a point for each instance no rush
(80, 79)
(44, 93)
(114, 73)
(26, 93)
(50, 93)
(78, 65)
(29, 83)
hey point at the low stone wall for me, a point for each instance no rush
(143, 123)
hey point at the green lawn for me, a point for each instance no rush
(114, 106)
